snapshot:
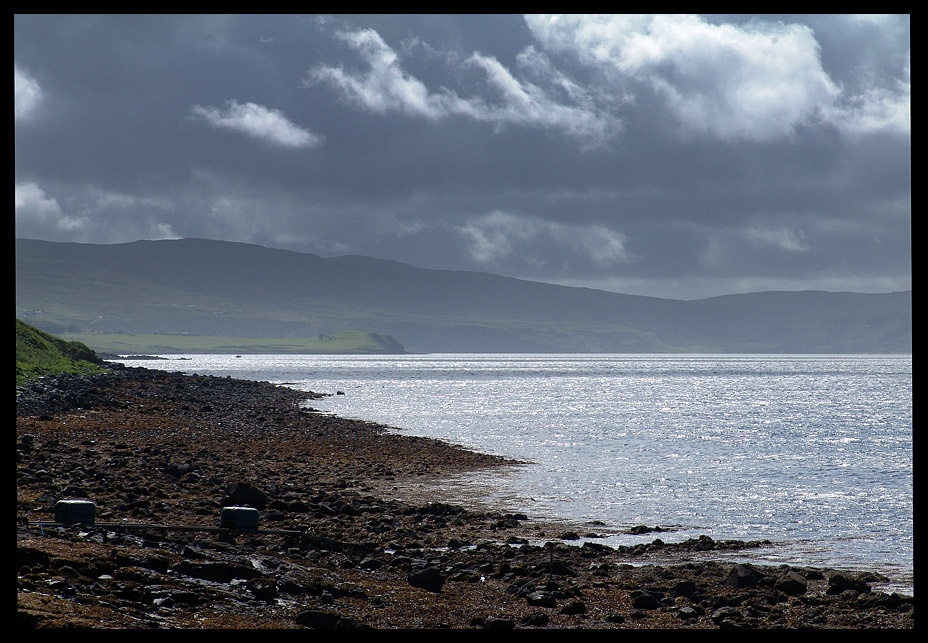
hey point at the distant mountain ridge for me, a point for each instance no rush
(204, 287)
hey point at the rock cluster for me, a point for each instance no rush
(340, 542)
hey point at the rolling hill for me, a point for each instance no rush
(198, 287)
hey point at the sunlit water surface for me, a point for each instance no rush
(811, 452)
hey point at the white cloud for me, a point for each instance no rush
(604, 246)
(387, 87)
(105, 199)
(32, 204)
(499, 235)
(529, 104)
(93, 215)
(26, 93)
(756, 82)
(39, 215)
(490, 237)
(877, 108)
(782, 238)
(258, 122)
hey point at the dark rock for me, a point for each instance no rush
(165, 602)
(242, 493)
(839, 583)
(430, 579)
(290, 586)
(347, 509)
(683, 588)
(725, 614)
(729, 624)
(741, 576)
(317, 619)
(29, 556)
(557, 568)
(178, 470)
(541, 599)
(438, 509)
(495, 623)
(188, 598)
(371, 563)
(644, 529)
(73, 491)
(298, 506)
(646, 601)
(220, 572)
(264, 589)
(574, 607)
(791, 584)
(536, 620)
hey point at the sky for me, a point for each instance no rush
(679, 156)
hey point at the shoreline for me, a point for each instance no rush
(159, 447)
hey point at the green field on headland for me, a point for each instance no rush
(38, 354)
(350, 342)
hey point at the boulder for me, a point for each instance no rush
(791, 584)
(541, 599)
(741, 576)
(574, 607)
(242, 493)
(683, 588)
(646, 601)
(839, 582)
(317, 619)
(430, 579)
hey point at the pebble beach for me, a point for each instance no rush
(349, 534)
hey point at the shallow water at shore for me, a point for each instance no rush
(811, 452)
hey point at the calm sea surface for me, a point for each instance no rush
(811, 452)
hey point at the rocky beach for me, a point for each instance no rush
(358, 529)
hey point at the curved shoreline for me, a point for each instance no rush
(158, 447)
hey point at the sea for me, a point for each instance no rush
(811, 452)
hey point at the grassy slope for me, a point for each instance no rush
(38, 354)
(346, 342)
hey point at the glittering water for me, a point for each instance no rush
(811, 452)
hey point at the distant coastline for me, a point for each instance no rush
(145, 346)
(178, 293)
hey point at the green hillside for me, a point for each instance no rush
(38, 354)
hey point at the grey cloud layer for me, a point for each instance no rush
(668, 155)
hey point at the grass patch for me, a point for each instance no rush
(39, 353)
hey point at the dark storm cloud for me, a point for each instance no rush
(677, 156)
